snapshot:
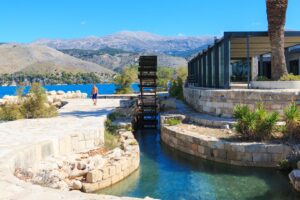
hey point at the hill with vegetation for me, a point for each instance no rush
(41, 59)
(117, 59)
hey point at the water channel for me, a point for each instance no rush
(168, 174)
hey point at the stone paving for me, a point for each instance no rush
(78, 116)
(200, 118)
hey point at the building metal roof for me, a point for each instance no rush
(259, 43)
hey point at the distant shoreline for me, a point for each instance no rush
(104, 88)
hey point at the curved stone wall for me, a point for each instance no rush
(119, 167)
(222, 102)
(69, 133)
(243, 153)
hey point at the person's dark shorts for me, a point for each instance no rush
(94, 96)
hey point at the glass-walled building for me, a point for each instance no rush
(236, 57)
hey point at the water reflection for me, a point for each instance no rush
(166, 173)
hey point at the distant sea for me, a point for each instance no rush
(109, 88)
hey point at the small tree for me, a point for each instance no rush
(177, 85)
(164, 74)
(124, 80)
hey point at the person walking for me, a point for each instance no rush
(94, 94)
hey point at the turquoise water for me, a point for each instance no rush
(172, 175)
(108, 88)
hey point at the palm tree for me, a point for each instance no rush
(276, 11)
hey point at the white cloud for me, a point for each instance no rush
(180, 34)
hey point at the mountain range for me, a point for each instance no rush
(99, 54)
(139, 41)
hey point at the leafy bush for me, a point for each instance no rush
(110, 135)
(290, 77)
(124, 80)
(32, 106)
(262, 78)
(176, 89)
(10, 112)
(290, 162)
(292, 119)
(172, 121)
(245, 120)
(164, 74)
(35, 105)
(257, 124)
(110, 127)
(265, 122)
(111, 141)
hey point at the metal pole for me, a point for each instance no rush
(248, 61)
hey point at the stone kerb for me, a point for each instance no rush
(222, 102)
(275, 84)
(243, 153)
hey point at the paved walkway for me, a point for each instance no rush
(203, 119)
(78, 115)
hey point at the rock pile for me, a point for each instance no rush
(88, 171)
(295, 177)
(55, 98)
(67, 95)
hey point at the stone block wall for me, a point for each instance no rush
(118, 167)
(243, 154)
(222, 102)
(86, 139)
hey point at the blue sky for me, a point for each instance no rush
(28, 20)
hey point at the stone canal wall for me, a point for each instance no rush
(84, 139)
(117, 168)
(235, 153)
(78, 128)
(222, 102)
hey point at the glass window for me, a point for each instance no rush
(221, 66)
(213, 68)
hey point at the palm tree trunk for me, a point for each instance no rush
(276, 11)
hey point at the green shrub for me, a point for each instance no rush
(10, 112)
(292, 119)
(262, 78)
(257, 124)
(284, 165)
(290, 162)
(124, 80)
(34, 105)
(290, 77)
(112, 116)
(265, 122)
(245, 120)
(172, 121)
(111, 141)
(176, 89)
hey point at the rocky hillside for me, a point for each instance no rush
(141, 42)
(116, 59)
(42, 59)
